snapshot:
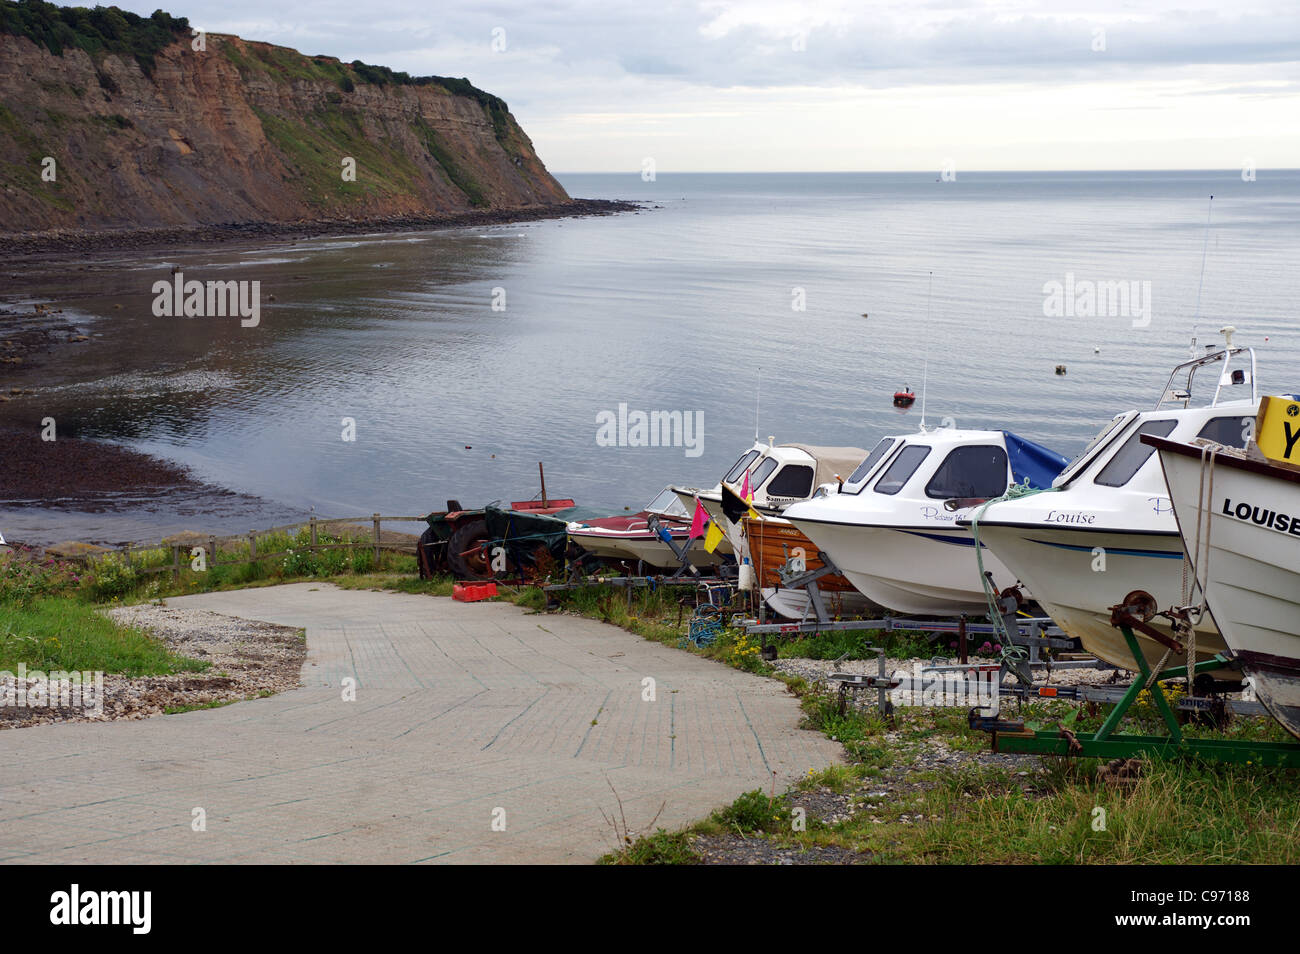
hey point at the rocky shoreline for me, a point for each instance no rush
(17, 245)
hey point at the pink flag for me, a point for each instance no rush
(745, 495)
(698, 521)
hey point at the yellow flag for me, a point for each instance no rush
(712, 537)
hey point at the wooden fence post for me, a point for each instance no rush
(252, 546)
(376, 519)
(312, 548)
(176, 562)
(126, 555)
(212, 552)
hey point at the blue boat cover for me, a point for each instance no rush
(1033, 462)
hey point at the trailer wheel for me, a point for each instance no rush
(465, 551)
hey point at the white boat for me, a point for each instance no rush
(889, 531)
(1240, 524)
(1107, 527)
(779, 475)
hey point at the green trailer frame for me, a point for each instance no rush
(1106, 743)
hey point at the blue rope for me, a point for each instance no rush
(705, 627)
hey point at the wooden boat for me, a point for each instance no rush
(772, 542)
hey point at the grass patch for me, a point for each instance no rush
(396, 582)
(1177, 812)
(59, 633)
(148, 575)
(661, 848)
(859, 644)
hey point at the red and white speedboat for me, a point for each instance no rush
(629, 537)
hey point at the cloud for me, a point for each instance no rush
(569, 65)
(728, 44)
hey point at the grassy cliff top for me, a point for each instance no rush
(102, 31)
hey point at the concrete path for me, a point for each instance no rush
(465, 715)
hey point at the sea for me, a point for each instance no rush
(392, 373)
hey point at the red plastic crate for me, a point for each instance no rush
(472, 592)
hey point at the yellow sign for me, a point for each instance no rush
(1277, 429)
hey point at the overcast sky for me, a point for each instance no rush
(839, 85)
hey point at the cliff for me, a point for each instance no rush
(145, 131)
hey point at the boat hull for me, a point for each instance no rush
(770, 543)
(1077, 575)
(929, 570)
(629, 538)
(650, 550)
(1252, 572)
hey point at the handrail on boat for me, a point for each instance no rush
(1185, 394)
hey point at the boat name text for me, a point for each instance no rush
(1056, 517)
(1272, 519)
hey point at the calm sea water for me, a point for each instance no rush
(686, 307)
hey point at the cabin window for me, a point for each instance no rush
(1130, 458)
(973, 471)
(877, 454)
(733, 475)
(761, 474)
(1104, 433)
(1229, 431)
(902, 469)
(795, 480)
(668, 503)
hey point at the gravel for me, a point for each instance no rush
(914, 769)
(246, 659)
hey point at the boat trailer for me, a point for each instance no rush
(1035, 633)
(1134, 613)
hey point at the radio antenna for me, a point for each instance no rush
(1205, 247)
(925, 367)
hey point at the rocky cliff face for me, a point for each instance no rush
(245, 132)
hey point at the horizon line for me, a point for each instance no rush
(888, 172)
